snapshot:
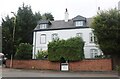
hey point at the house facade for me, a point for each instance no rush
(46, 31)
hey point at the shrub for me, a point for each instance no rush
(118, 68)
(24, 51)
(103, 56)
(70, 50)
(42, 54)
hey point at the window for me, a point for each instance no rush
(43, 26)
(92, 38)
(79, 35)
(54, 36)
(93, 52)
(79, 23)
(43, 39)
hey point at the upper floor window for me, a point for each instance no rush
(43, 26)
(79, 35)
(54, 36)
(92, 38)
(43, 39)
(79, 23)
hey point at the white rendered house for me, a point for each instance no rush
(46, 31)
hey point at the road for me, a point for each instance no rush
(31, 74)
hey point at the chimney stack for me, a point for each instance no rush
(66, 15)
(98, 9)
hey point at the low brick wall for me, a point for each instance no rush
(84, 65)
(34, 64)
(91, 65)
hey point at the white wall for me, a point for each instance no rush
(64, 34)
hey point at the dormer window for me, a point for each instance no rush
(43, 26)
(79, 23)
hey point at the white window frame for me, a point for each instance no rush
(79, 35)
(55, 36)
(43, 39)
(79, 23)
(93, 53)
(43, 26)
(92, 38)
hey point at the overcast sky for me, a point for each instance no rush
(86, 8)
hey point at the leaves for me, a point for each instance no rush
(48, 16)
(24, 25)
(106, 27)
(71, 49)
(24, 51)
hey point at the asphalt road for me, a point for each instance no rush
(45, 74)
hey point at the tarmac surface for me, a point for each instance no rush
(8, 73)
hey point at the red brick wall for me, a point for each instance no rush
(91, 65)
(34, 64)
(84, 65)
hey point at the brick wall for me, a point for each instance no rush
(91, 65)
(84, 65)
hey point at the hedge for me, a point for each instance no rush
(70, 50)
(24, 51)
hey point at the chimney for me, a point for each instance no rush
(119, 5)
(66, 15)
(98, 9)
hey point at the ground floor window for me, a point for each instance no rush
(43, 39)
(55, 36)
(93, 52)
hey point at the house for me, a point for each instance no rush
(46, 31)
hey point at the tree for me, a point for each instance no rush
(7, 34)
(106, 27)
(0, 39)
(24, 51)
(48, 16)
(37, 16)
(25, 24)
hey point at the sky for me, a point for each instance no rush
(86, 8)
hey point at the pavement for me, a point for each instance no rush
(7, 72)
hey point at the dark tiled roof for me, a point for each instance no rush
(61, 24)
(79, 18)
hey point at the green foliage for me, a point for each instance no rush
(7, 41)
(24, 21)
(24, 51)
(48, 16)
(118, 68)
(103, 56)
(37, 16)
(42, 54)
(70, 50)
(106, 27)
(25, 24)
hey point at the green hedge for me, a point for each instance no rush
(24, 51)
(70, 50)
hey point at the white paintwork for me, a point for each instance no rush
(66, 16)
(119, 5)
(64, 34)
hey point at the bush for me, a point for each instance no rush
(70, 50)
(24, 51)
(103, 56)
(42, 54)
(118, 68)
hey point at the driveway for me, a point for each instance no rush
(6, 72)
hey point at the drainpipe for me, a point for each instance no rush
(34, 46)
